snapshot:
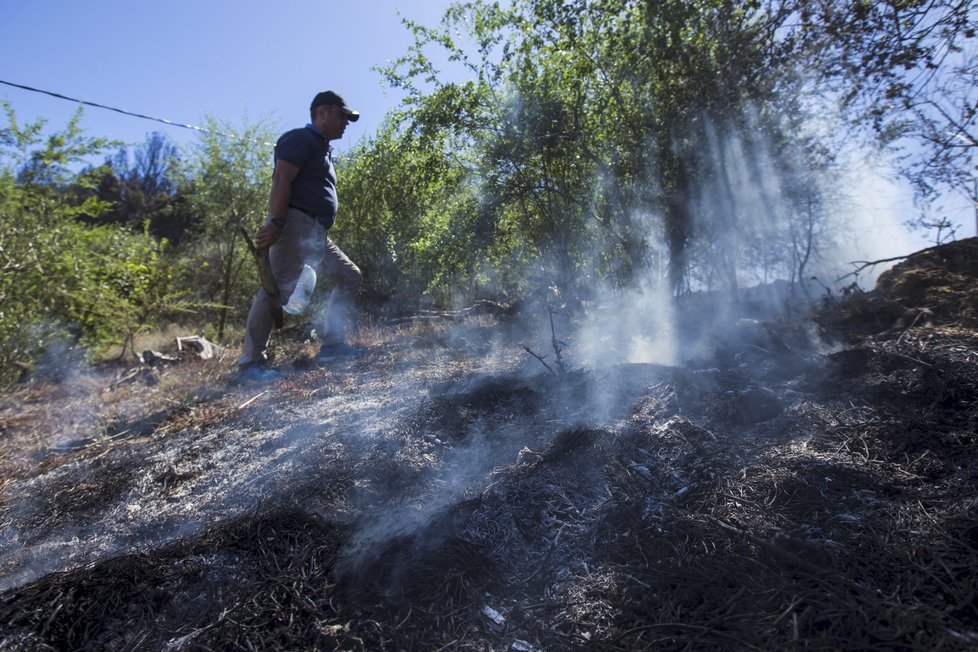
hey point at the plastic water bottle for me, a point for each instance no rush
(299, 300)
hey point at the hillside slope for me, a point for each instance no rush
(786, 491)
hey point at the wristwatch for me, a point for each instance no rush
(278, 221)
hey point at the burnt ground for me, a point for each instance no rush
(803, 483)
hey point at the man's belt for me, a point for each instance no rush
(322, 220)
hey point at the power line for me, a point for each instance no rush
(122, 111)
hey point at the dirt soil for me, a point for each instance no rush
(806, 483)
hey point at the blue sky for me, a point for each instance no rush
(239, 61)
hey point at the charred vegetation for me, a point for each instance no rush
(781, 490)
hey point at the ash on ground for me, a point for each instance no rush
(784, 492)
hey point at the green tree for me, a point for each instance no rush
(62, 280)
(592, 124)
(141, 186)
(227, 178)
(397, 192)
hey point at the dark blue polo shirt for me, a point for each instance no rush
(314, 188)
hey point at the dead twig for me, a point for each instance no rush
(864, 264)
(252, 400)
(557, 344)
(541, 359)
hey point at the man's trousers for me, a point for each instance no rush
(304, 241)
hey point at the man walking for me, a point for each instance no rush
(301, 209)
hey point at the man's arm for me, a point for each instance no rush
(278, 202)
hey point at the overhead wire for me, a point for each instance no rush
(122, 111)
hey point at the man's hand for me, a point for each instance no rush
(267, 235)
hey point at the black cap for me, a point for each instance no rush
(329, 98)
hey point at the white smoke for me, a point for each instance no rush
(636, 325)
(874, 208)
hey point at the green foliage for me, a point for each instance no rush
(585, 143)
(398, 192)
(588, 125)
(226, 180)
(141, 187)
(61, 279)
